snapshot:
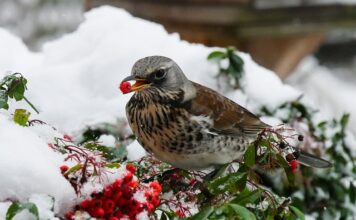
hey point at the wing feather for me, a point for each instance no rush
(229, 118)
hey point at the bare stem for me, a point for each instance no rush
(32, 106)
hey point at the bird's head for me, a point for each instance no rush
(157, 71)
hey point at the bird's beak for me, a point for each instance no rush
(139, 84)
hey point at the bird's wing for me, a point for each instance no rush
(229, 117)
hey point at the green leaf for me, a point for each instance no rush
(113, 165)
(21, 116)
(241, 183)
(17, 207)
(247, 196)
(216, 55)
(226, 183)
(164, 216)
(297, 212)
(73, 169)
(250, 155)
(203, 214)
(237, 63)
(3, 100)
(344, 120)
(283, 162)
(16, 88)
(243, 212)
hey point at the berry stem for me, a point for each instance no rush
(32, 106)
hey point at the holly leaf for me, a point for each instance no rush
(17, 207)
(250, 156)
(21, 116)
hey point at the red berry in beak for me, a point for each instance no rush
(125, 87)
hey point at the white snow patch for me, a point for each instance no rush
(135, 151)
(328, 92)
(107, 140)
(29, 166)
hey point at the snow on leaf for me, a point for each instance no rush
(17, 207)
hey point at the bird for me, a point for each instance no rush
(186, 124)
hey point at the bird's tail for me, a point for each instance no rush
(311, 160)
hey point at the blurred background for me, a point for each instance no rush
(310, 44)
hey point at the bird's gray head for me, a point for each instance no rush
(157, 71)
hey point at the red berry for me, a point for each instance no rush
(128, 177)
(69, 215)
(119, 214)
(127, 192)
(121, 202)
(174, 176)
(97, 202)
(113, 218)
(117, 184)
(125, 87)
(64, 168)
(117, 196)
(293, 165)
(85, 204)
(150, 207)
(98, 212)
(133, 184)
(50, 145)
(156, 186)
(130, 167)
(107, 191)
(108, 204)
(67, 137)
(155, 200)
(180, 213)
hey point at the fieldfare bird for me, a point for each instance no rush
(186, 124)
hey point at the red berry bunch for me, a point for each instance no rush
(125, 87)
(120, 199)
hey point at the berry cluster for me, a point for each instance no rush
(119, 201)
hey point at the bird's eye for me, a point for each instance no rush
(160, 74)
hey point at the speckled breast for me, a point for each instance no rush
(166, 129)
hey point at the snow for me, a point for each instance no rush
(44, 204)
(107, 140)
(73, 82)
(330, 93)
(28, 166)
(135, 151)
